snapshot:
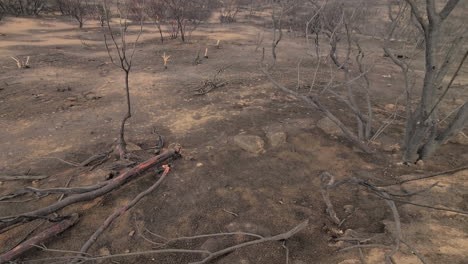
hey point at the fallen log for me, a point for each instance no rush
(38, 239)
(87, 196)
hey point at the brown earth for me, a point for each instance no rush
(70, 102)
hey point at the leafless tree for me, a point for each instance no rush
(335, 23)
(229, 10)
(21, 7)
(124, 53)
(100, 14)
(279, 9)
(80, 10)
(156, 11)
(187, 14)
(441, 52)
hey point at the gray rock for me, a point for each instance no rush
(275, 134)
(250, 143)
(276, 139)
(302, 123)
(329, 127)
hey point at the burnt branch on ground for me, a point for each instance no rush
(214, 83)
(109, 186)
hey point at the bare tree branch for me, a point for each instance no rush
(448, 8)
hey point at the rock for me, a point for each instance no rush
(350, 261)
(199, 164)
(276, 138)
(131, 233)
(391, 147)
(329, 127)
(390, 227)
(99, 175)
(132, 147)
(420, 163)
(104, 251)
(349, 209)
(302, 123)
(250, 143)
(388, 144)
(275, 134)
(210, 245)
(215, 243)
(390, 107)
(460, 139)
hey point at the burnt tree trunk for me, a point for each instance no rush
(422, 136)
(122, 143)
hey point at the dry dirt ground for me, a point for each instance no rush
(69, 104)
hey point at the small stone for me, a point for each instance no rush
(275, 134)
(250, 143)
(420, 163)
(329, 127)
(390, 107)
(276, 138)
(1, 183)
(199, 164)
(210, 245)
(72, 99)
(215, 243)
(390, 227)
(388, 144)
(460, 139)
(302, 123)
(349, 209)
(391, 147)
(127, 251)
(104, 251)
(131, 233)
(133, 147)
(350, 261)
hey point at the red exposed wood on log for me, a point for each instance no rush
(38, 239)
